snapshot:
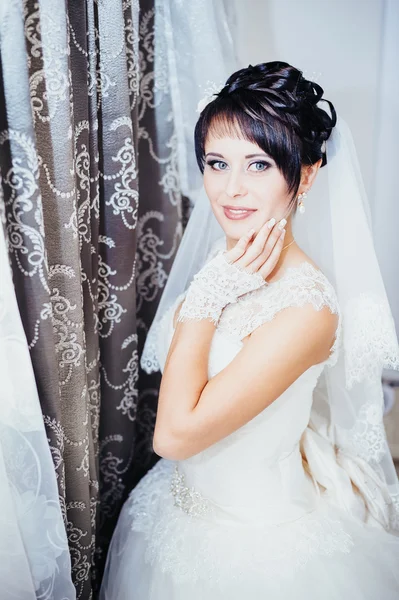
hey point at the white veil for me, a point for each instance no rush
(336, 233)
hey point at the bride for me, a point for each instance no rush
(275, 480)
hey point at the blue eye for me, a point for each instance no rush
(260, 166)
(222, 166)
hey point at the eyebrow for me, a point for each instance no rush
(247, 156)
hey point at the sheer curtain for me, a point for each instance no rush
(68, 140)
(76, 105)
(34, 556)
(194, 52)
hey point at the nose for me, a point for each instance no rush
(234, 185)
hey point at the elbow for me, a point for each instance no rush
(169, 446)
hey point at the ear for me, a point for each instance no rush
(308, 174)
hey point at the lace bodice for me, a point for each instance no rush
(283, 422)
(300, 285)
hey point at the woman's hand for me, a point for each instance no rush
(231, 274)
(259, 254)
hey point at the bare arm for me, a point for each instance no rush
(194, 413)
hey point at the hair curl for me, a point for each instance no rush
(272, 105)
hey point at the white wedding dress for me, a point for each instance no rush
(268, 512)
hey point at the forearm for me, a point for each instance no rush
(185, 374)
(184, 378)
(277, 353)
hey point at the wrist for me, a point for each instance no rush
(217, 284)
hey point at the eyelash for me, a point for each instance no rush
(212, 164)
(261, 162)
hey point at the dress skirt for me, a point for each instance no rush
(160, 552)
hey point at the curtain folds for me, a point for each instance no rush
(68, 160)
(34, 557)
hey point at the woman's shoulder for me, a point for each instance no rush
(299, 284)
(300, 281)
(305, 283)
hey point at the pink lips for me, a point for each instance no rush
(237, 212)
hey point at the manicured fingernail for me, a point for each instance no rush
(271, 223)
(282, 223)
(251, 232)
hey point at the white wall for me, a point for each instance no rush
(339, 40)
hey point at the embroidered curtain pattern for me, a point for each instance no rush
(93, 217)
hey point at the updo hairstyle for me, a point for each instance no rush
(272, 105)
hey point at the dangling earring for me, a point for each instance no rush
(301, 206)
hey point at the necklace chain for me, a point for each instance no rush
(288, 245)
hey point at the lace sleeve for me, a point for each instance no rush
(157, 341)
(216, 285)
(299, 286)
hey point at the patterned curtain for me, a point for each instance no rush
(93, 218)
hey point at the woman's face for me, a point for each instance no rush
(243, 184)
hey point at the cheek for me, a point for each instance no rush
(271, 191)
(212, 186)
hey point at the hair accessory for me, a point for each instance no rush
(211, 90)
